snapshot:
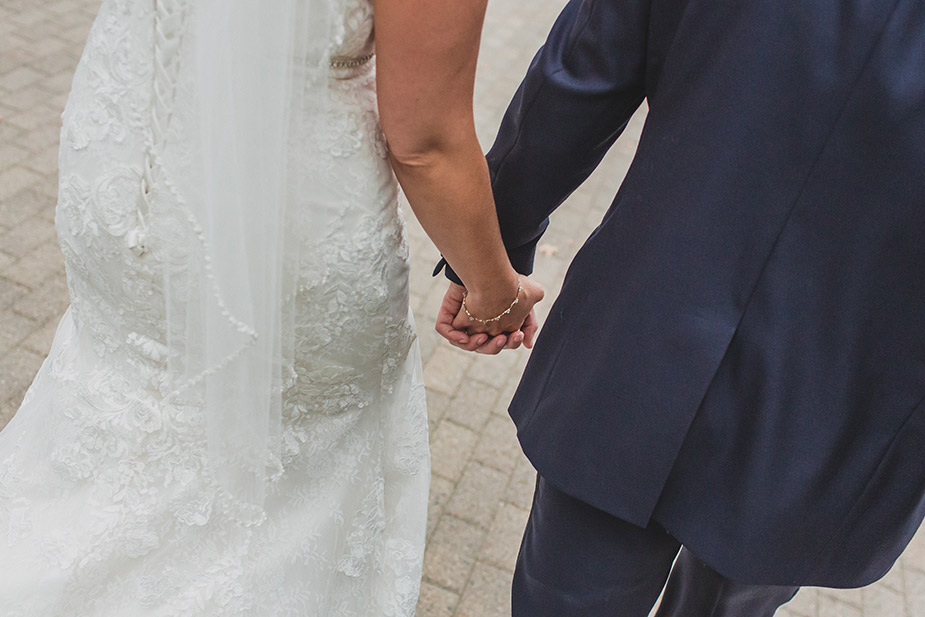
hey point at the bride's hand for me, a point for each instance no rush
(501, 309)
(517, 327)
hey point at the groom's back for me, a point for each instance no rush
(803, 179)
(757, 362)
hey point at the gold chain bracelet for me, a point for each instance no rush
(485, 322)
(349, 62)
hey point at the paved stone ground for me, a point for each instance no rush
(482, 485)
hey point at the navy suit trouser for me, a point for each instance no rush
(578, 561)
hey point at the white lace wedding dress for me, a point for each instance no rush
(106, 505)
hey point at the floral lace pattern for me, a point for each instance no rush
(106, 504)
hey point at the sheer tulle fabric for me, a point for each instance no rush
(253, 68)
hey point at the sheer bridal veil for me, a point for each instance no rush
(245, 73)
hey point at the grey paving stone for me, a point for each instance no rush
(23, 205)
(451, 553)
(854, 597)
(58, 100)
(506, 392)
(804, 604)
(17, 369)
(428, 339)
(881, 601)
(10, 154)
(915, 592)
(432, 296)
(478, 494)
(41, 137)
(48, 190)
(10, 292)
(26, 17)
(445, 369)
(831, 607)
(14, 179)
(451, 447)
(498, 446)
(488, 594)
(41, 338)
(5, 260)
(9, 407)
(472, 406)
(894, 579)
(441, 490)
(13, 57)
(437, 405)
(20, 77)
(34, 117)
(46, 45)
(76, 35)
(502, 543)
(44, 36)
(436, 602)
(492, 371)
(60, 81)
(61, 7)
(13, 329)
(47, 301)
(522, 484)
(9, 134)
(35, 267)
(26, 236)
(915, 554)
(44, 161)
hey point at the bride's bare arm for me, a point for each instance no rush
(426, 59)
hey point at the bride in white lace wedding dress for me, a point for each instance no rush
(107, 506)
(231, 420)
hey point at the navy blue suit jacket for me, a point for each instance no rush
(739, 348)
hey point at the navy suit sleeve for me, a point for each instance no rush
(582, 88)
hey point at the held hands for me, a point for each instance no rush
(515, 328)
